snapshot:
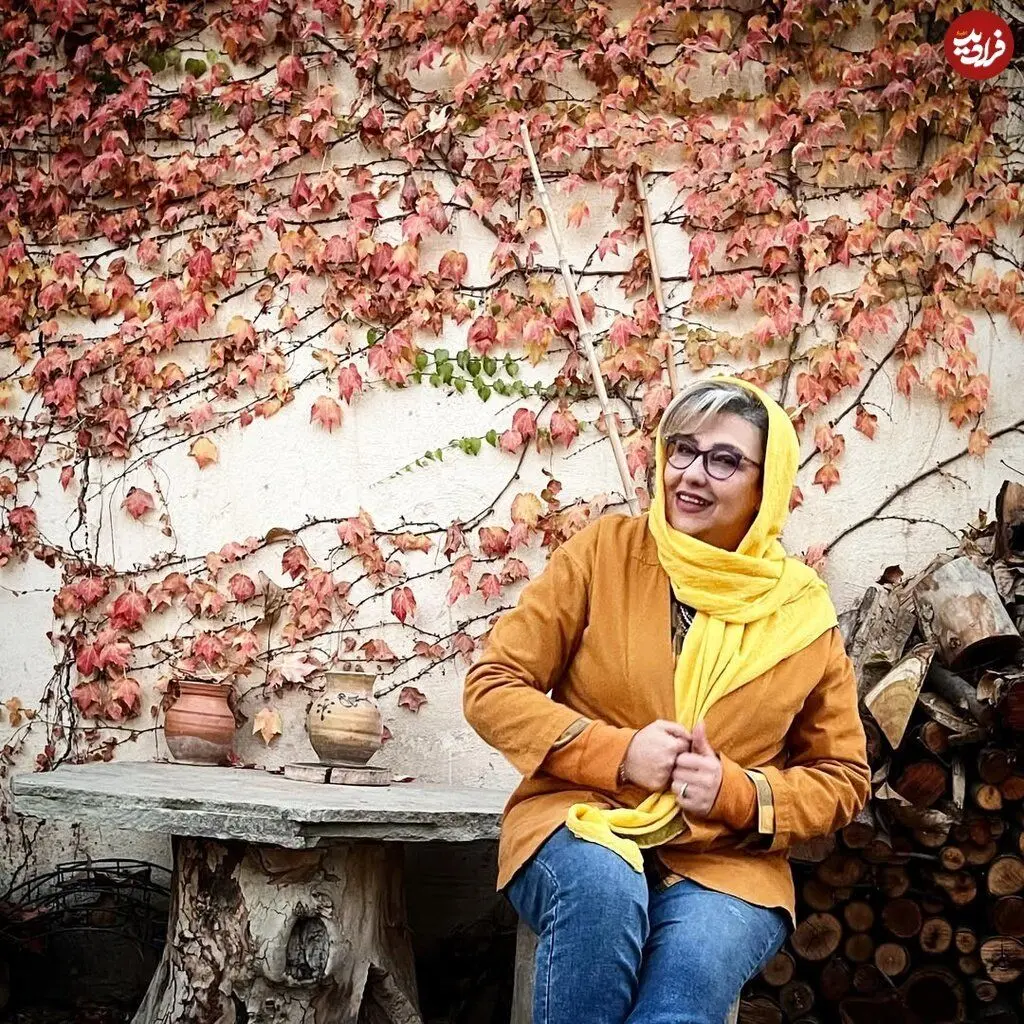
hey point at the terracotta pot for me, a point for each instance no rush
(344, 724)
(199, 727)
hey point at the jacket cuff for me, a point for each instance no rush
(736, 803)
(604, 749)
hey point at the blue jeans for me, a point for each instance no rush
(614, 948)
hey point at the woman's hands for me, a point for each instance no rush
(697, 775)
(652, 753)
(665, 754)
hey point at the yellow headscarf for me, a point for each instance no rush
(754, 606)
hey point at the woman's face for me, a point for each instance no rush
(718, 512)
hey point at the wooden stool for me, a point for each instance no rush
(522, 991)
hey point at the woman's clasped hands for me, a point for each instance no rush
(664, 754)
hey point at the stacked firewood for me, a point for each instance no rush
(914, 914)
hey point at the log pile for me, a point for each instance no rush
(914, 914)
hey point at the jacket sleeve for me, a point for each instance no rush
(827, 779)
(505, 696)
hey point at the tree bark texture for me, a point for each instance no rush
(264, 935)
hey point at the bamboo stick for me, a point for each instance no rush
(659, 294)
(581, 324)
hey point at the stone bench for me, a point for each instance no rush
(287, 898)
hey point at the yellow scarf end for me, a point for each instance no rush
(589, 823)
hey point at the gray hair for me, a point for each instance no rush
(700, 402)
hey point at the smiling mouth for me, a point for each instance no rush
(691, 503)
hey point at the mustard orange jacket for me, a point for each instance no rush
(593, 631)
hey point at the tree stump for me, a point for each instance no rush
(264, 935)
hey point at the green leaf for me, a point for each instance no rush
(373, 336)
(173, 57)
(460, 384)
(473, 444)
(439, 455)
(473, 367)
(511, 366)
(195, 66)
(484, 393)
(447, 369)
(421, 360)
(156, 62)
(501, 387)
(462, 359)
(490, 365)
(435, 380)
(441, 356)
(428, 455)
(491, 437)
(213, 57)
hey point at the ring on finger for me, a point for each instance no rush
(681, 792)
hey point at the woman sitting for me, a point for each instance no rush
(703, 718)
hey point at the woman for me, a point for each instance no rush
(703, 719)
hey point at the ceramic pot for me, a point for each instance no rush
(199, 726)
(344, 723)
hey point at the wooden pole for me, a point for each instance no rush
(659, 294)
(581, 324)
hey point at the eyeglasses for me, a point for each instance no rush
(720, 462)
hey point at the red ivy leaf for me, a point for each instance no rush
(412, 542)
(453, 267)
(483, 335)
(291, 72)
(494, 541)
(124, 699)
(242, 588)
(459, 587)
(411, 698)
(979, 441)
(425, 650)
(403, 603)
(88, 698)
(464, 644)
(454, 539)
(204, 451)
(525, 422)
(326, 412)
(138, 503)
(349, 382)
(827, 477)
(564, 427)
(866, 422)
(295, 561)
(378, 650)
(129, 610)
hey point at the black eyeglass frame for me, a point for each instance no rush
(704, 453)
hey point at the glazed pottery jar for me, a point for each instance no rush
(344, 723)
(199, 726)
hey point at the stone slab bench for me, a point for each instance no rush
(288, 902)
(287, 897)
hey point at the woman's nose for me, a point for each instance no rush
(695, 472)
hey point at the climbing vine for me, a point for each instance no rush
(210, 212)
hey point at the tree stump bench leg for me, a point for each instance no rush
(264, 935)
(522, 987)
